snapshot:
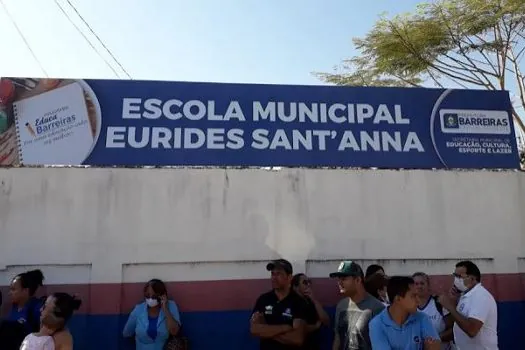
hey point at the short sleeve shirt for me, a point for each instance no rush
(479, 304)
(386, 334)
(280, 312)
(351, 322)
(30, 313)
(436, 318)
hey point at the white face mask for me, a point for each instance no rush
(152, 302)
(459, 283)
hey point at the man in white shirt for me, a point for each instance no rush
(438, 315)
(476, 315)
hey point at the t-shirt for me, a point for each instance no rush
(437, 320)
(280, 312)
(29, 315)
(312, 317)
(351, 322)
(478, 303)
(411, 335)
(34, 342)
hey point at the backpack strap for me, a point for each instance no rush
(439, 307)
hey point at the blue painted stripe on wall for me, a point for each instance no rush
(229, 329)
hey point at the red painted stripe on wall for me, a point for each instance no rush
(225, 295)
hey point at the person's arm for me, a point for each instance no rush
(447, 334)
(431, 344)
(63, 341)
(429, 333)
(131, 324)
(378, 338)
(313, 327)
(295, 336)
(477, 316)
(323, 316)
(258, 328)
(171, 311)
(336, 345)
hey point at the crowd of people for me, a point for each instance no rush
(376, 312)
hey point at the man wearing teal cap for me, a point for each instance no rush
(355, 311)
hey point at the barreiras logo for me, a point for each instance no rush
(451, 120)
(464, 121)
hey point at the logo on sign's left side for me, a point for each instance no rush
(48, 121)
(451, 120)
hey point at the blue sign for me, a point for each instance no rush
(154, 123)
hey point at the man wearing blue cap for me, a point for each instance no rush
(355, 311)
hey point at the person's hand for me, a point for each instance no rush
(310, 294)
(164, 301)
(447, 302)
(432, 344)
(454, 293)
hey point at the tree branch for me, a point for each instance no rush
(519, 78)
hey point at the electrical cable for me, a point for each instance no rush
(86, 38)
(24, 38)
(98, 38)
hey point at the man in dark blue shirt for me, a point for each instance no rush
(279, 316)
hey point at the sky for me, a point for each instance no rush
(244, 41)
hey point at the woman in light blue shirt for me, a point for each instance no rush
(153, 321)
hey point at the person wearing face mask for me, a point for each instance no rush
(475, 314)
(155, 320)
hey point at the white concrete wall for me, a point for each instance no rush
(113, 223)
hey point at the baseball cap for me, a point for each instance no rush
(280, 264)
(348, 268)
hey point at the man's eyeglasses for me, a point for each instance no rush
(307, 283)
(457, 275)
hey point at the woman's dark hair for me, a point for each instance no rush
(158, 287)
(65, 305)
(374, 283)
(31, 280)
(296, 279)
(370, 270)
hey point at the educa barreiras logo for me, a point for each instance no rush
(49, 123)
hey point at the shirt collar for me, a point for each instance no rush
(388, 321)
(473, 289)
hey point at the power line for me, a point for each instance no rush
(23, 38)
(99, 40)
(86, 38)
